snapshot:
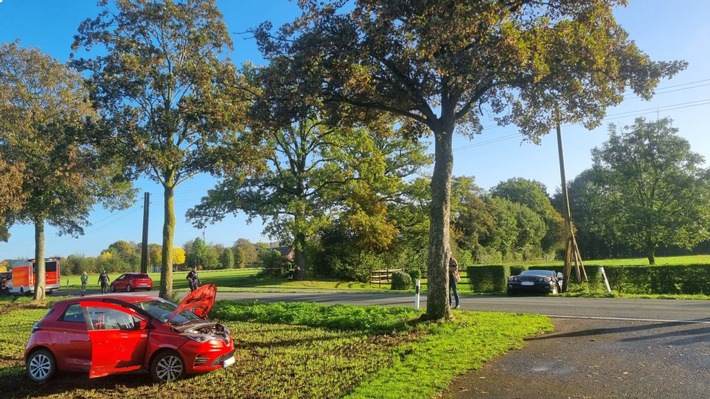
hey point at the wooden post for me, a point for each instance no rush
(144, 243)
(571, 249)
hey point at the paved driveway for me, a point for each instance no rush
(595, 358)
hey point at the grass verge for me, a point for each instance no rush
(288, 350)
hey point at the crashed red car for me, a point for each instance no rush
(111, 334)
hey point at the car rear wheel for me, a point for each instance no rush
(129, 288)
(41, 365)
(167, 366)
(113, 288)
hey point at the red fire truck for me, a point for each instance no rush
(22, 280)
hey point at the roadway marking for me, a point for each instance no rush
(630, 319)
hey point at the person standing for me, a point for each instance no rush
(104, 280)
(193, 279)
(454, 278)
(84, 280)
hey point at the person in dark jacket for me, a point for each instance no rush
(104, 280)
(453, 282)
(193, 279)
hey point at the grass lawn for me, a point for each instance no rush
(246, 280)
(298, 350)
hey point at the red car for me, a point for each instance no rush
(132, 281)
(111, 334)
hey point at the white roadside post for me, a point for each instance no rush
(416, 294)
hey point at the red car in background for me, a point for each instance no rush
(111, 334)
(132, 281)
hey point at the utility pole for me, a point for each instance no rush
(144, 244)
(571, 249)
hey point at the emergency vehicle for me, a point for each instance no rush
(22, 279)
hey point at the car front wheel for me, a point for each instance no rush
(41, 365)
(129, 288)
(167, 366)
(113, 288)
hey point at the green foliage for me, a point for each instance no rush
(415, 273)
(401, 281)
(651, 188)
(488, 278)
(439, 64)
(533, 194)
(46, 118)
(166, 94)
(226, 259)
(370, 319)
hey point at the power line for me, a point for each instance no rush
(622, 115)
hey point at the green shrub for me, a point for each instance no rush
(401, 281)
(415, 274)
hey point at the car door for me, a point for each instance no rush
(120, 283)
(71, 343)
(119, 338)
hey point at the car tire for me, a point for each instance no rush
(129, 288)
(41, 365)
(113, 288)
(167, 366)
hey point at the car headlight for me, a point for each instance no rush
(197, 337)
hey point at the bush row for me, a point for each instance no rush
(673, 280)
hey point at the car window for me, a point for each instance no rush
(74, 313)
(121, 277)
(162, 310)
(111, 319)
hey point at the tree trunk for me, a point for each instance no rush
(40, 270)
(651, 255)
(300, 259)
(166, 271)
(439, 251)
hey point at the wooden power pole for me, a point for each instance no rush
(144, 243)
(571, 249)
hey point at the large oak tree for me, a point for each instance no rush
(166, 90)
(441, 65)
(45, 114)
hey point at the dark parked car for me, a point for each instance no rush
(132, 281)
(109, 334)
(535, 281)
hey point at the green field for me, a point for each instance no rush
(246, 279)
(298, 350)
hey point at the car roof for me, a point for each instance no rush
(127, 298)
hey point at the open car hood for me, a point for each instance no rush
(199, 301)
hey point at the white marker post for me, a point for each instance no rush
(416, 294)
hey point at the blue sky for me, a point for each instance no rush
(666, 30)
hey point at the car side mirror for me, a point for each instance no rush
(143, 324)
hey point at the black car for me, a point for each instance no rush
(535, 281)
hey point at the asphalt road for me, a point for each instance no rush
(601, 348)
(661, 310)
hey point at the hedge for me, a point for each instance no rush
(673, 280)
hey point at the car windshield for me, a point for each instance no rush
(161, 310)
(539, 272)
